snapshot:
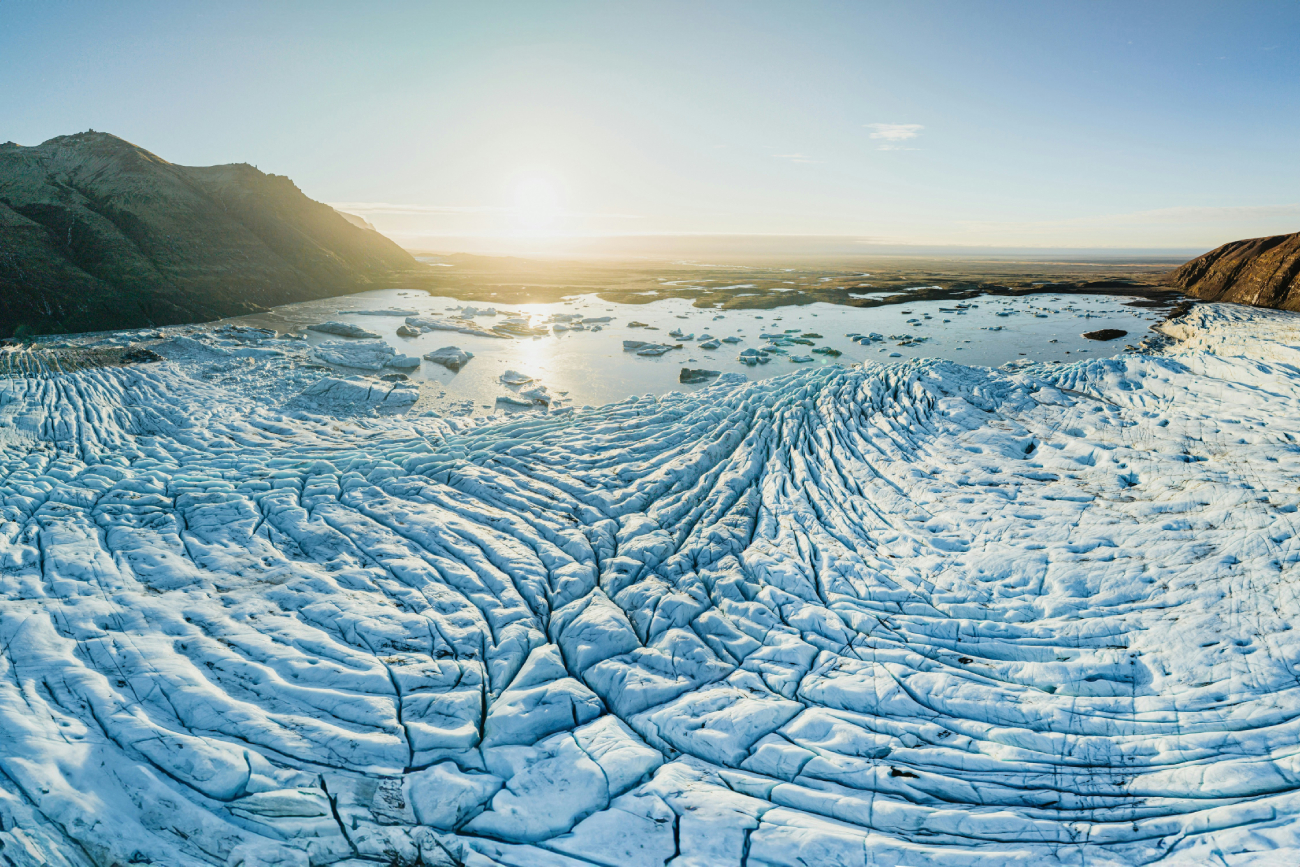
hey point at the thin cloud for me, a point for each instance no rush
(891, 135)
(796, 158)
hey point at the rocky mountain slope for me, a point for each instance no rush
(1264, 272)
(97, 233)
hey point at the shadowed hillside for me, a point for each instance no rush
(97, 233)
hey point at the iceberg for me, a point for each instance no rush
(451, 357)
(914, 613)
(342, 329)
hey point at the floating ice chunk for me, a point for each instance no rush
(342, 329)
(537, 394)
(656, 350)
(359, 354)
(451, 357)
(388, 312)
(514, 377)
(690, 375)
(425, 323)
(710, 344)
(357, 394)
(403, 362)
(801, 359)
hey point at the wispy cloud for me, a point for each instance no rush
(796, 158)
(891, 135)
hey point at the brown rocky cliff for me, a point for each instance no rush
(1264, 272)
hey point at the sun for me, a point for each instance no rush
(537, 205)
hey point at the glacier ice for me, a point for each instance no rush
(915, 613)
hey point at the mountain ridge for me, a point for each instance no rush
(97, 233)
(1262, 272)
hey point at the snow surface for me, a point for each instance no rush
(897, 614)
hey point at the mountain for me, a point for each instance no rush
(97, 233)
(358, 221)
(1264, 272)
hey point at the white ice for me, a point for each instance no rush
(911, 614)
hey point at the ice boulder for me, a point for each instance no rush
(451, 357)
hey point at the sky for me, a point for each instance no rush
(987, 124)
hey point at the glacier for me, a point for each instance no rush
(912, 613)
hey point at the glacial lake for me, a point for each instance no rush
(590, 367)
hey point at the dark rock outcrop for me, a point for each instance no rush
(1264, 272)
(1105, 334)
(97, 233)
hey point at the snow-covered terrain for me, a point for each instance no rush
(894, 614)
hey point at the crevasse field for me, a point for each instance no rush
(892, 614)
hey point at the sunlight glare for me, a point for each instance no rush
(537, 204)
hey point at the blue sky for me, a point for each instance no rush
(976, 123)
